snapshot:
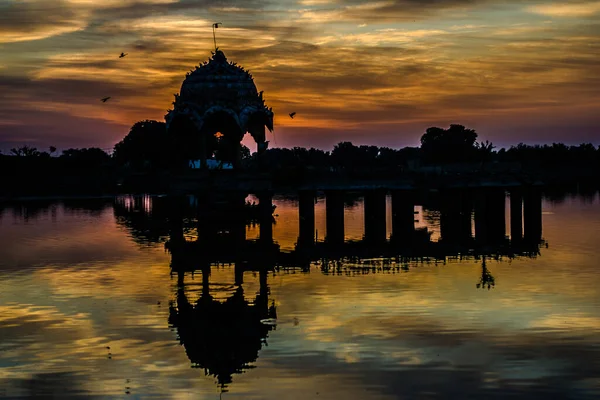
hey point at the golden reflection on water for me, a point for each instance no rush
(84, 310)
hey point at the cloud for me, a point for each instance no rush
(460, 59)
(33, 20)
(576, 10)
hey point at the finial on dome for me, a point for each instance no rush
(219, 56)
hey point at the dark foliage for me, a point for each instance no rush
(146, 145)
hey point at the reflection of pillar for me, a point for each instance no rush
(403, 215)
(334, 216)
(265, 206)
(239, 274)
(532, 215)
(205, 281)
(516, 215)
(375, 216)
(262, 280)
(306, 210)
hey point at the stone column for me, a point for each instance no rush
(403, 215)
(455, 217)
(306, 210)
(516, 215)
(265, 205)
(375, 223)
(532, 215)
(334, 216)
(497, 214)
(481, 210)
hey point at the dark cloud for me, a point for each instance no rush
(75, 91)
(18, 17)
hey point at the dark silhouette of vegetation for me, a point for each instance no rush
(146, 145)
(26, 171)
(150, 158)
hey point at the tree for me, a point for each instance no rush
(87, 156)
(52, 149)
(146, 143)
(455, 144)
(25, 151)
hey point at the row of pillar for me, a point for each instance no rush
(457, 208)
(455, 216)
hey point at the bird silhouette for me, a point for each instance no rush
(104, 100)
(123, 55)
(292, 114)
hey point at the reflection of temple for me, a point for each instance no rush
(223, 338)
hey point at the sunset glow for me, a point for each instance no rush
(368, 72)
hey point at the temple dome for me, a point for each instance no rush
(219, 81)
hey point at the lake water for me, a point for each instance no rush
(89, 307)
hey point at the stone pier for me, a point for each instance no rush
(375, 216)
(334, 215)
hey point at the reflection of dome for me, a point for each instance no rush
(220, 96)
(222, 338)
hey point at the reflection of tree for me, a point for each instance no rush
(223, 338)
(486, 277)
(146, 219)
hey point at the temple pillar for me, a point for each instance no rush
(532, 215)
(490, 212)
(334, 216)
(403, 215)
(516, 215)
(455, 217)
(497, 214)
(375, 224)
(306, 210)
(481, 226)
(265, 206)
(175, 220)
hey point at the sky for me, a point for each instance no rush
(362, 71)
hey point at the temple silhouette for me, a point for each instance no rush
(217, 104)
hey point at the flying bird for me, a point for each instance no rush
(123, 55)
(292, 114)
(105, 99)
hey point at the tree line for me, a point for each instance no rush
(147, 147)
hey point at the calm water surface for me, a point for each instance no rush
(89, 308)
